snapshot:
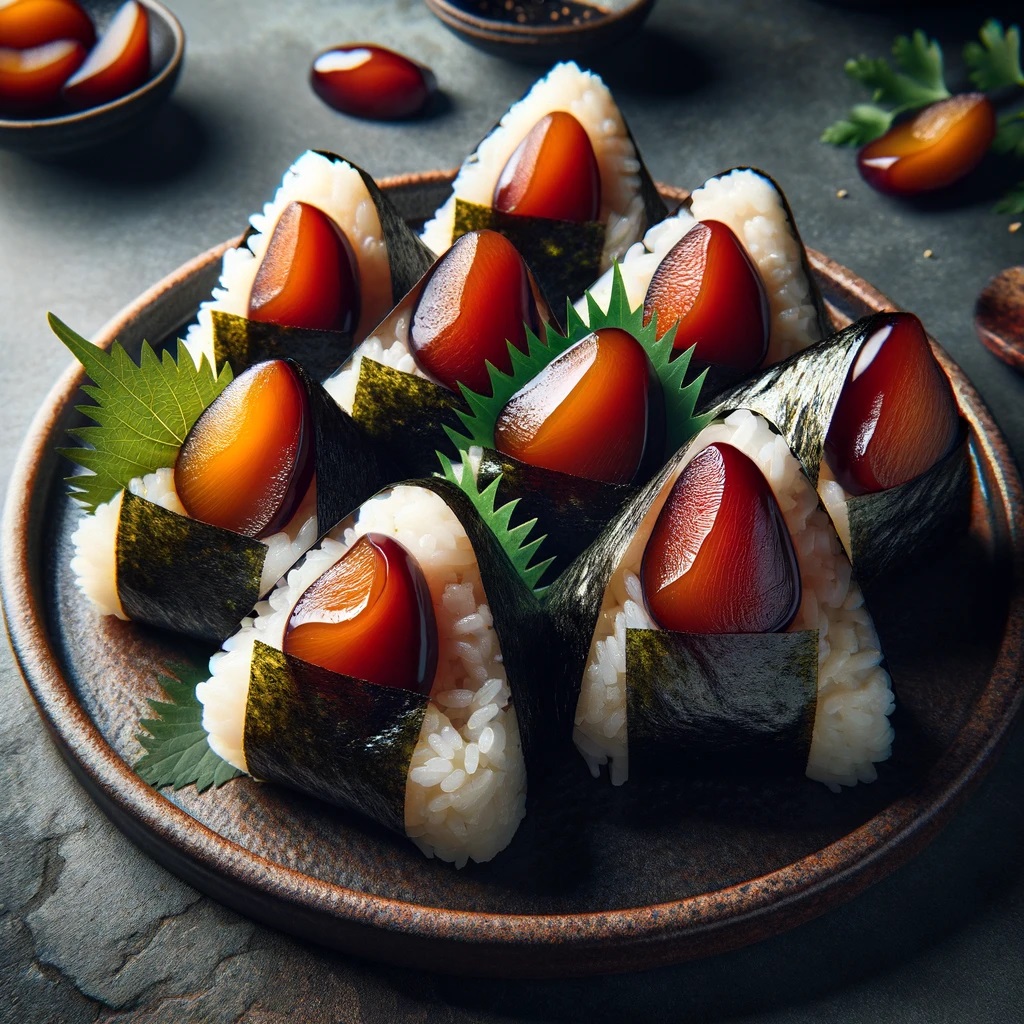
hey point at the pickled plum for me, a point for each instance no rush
(896, 416)
(720, 559)
(477, 299)
(710, 285)
(25, 24)
(308, 276)
(933, 149)
(553, 173)
(371, 81)
(596, 411)
(32, 79)
(369, 616)
(247, 462)
(117, 64)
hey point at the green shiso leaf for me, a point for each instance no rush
(995, 61)
(513, 539)
(142, 413)
(178, 753)
(918, 82)
(680, 399)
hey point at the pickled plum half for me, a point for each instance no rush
(372, 82)
(710, 285)
(896, 416)
(117, 64)
(369, 616)
(477, 299)
(308, 276)
(248, 460)
(26, 24)
(553, 173)
(720, 559)
(32, 79)
(935, 148)
(597, 411)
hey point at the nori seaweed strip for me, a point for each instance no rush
(571, 510)
(342, 739)
(242, 342)
(405, 415)
(825, 325)
(564, 255)
(408, 257)
(720, 700)
(888, 527)
(799, 395)
(528, 647)
(182, 574)
(573, 602)
(349, 467)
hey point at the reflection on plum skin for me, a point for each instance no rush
(169, 145)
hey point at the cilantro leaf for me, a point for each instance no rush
(995, 62)
(920, 81)
(512, 539)
(1013, 201)
(864, 124)
(142, 413)
(178, 753)
(1010, 135)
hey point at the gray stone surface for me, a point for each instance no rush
(90, 928)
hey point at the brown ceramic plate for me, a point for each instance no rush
(598, 879)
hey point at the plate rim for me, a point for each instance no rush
(485, 943)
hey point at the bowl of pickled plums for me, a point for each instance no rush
(75, 74)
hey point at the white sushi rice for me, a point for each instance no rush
(834, 497)
(95, 539)
(748, 203)
(337, 189)
(388, 349)
(587, 98)
(466, 789)
(851, 727)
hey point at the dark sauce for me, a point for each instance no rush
(534, 12)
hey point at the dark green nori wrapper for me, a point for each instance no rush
(405, 415)
(824, 321)
(564, 255)
(888, 528)
(799, 397)
(525, 637)
(719, 701)
(341, 739)
(242, 342)
(570, 509)
(184, 575)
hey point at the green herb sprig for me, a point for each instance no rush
(918, 80)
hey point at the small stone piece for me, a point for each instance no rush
(118, 64)
(248, 461)
(596, 412)
(720, 559)
(372, 82)
(999, 316)
(896, 416)
(553, 173)
(935, 148)
(308, 276)
(710, 285)
(369, 616)
(477, 299)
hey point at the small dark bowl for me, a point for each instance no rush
(541, 43)
(84, 129)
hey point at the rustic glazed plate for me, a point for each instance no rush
(597, 879)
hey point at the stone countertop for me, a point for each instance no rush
(90, 928)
